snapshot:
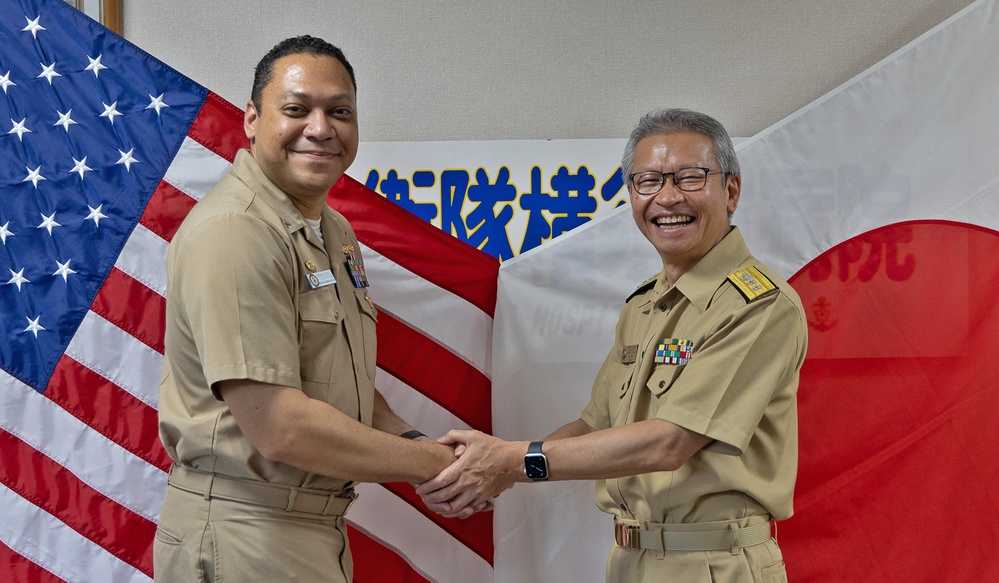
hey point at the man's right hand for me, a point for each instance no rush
(486, 466)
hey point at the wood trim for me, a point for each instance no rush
(111, 14)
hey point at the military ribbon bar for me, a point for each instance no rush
(674, 351)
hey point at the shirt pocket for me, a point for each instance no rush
(616, 380)
(662, 378)
(320, 316)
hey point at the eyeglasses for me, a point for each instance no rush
(686, 179)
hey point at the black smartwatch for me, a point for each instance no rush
(535, 463)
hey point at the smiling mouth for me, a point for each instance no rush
(673, 221)
(316, 154)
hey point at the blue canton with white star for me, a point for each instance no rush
(88, 127)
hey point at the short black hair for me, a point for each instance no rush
(304, 44)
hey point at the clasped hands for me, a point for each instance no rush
(484, 467)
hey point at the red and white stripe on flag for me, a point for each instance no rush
(82, 471)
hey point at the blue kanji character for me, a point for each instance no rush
(372, 180)
(534, 202)
(397, 190)
(572, 210)
(612, 186)
(489, 229)
(454, 186)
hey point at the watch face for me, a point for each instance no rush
(536, 467)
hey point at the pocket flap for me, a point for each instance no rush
(662, 378)
(320, 305)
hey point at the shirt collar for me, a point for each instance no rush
(247, 170)
(699, 283)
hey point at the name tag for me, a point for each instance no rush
(320, 278)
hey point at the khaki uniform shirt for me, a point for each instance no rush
(737, 385)
(239, 306)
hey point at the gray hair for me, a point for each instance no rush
(666, 121)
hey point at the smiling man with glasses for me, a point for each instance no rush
(691, 428)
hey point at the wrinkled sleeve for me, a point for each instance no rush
(234, 275)
(747, 364)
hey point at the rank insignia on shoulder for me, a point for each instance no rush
(751, 283)
(674, 351)
(646, 285)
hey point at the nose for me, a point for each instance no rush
(318, 126)
(669, 194)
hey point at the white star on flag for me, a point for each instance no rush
(156, 103)
(95, 65)
(33, 26)
(48, 72)
(127, 159)
(65, 120)
(64, 270)
(48, 222)
(34, 175)
(5, 82)
(96, 214)
(5, 232)
(110, 111)
(19, 129)
(18, 278)
(34, 326)
(81, 167)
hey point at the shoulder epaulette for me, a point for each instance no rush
(646, 285)
(751, 283)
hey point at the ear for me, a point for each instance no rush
(250, 121)
(733, 186)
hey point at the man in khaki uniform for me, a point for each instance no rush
(267, 402)
(691, 429)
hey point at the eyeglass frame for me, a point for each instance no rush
(676, 183)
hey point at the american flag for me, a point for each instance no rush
(106, 150)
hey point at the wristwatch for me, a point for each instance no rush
(535, 463)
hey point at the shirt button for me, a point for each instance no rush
(662, 307)
(662, 384)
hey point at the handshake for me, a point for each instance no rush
(484, 466)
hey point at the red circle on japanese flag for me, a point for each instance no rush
(899, 409)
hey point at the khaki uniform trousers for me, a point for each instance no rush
(222, 541)
(759, 563)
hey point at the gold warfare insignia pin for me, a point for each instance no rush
(310, 265)
(371, 304)
(751, 283)
(347, 249)
(630, 354)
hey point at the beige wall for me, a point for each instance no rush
(487, 69)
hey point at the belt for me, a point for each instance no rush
(288, 498)
(678, 537)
